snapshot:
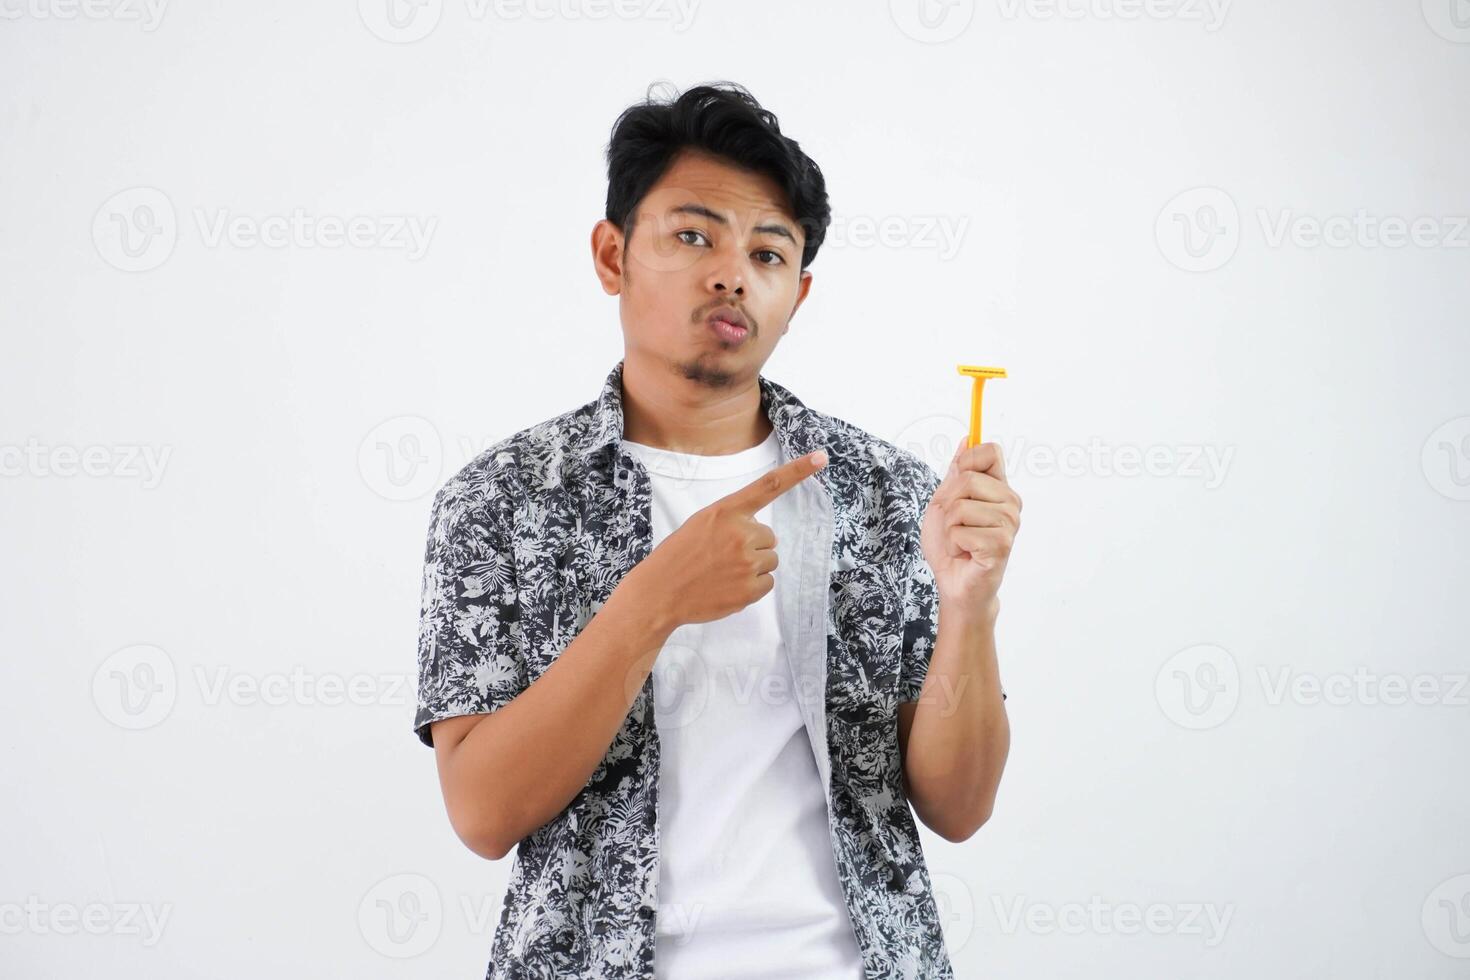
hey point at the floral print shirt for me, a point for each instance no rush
(526, 543)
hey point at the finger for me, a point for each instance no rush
(981, 513)
(973, 485)
(762, 538)
(766, 488)
(982, 541)
(984, 458)
(982, 486)
(991, 462)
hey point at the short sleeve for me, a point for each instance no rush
(920, 607)
(469, 655)
(920, 627)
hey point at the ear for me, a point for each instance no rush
(608, 255)
(803, 287)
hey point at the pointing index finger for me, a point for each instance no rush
(768, 486)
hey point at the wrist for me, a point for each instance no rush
(967, 614)
(646, 604)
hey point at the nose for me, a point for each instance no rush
(719, 285)
(727, 280)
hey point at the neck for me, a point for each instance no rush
(664, 409)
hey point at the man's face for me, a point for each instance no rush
(707, 237)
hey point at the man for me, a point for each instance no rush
(706, 764)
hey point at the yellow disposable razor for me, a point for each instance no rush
(977, 393)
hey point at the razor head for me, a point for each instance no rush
(975, 371)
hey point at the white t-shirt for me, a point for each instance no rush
(747, 884)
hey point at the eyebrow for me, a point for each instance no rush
(700, 209)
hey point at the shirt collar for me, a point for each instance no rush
(799, 430)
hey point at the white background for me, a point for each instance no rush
(1130, 195)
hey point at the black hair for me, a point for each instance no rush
(722, 119)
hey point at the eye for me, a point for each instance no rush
(776, 255)
(688, 231)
